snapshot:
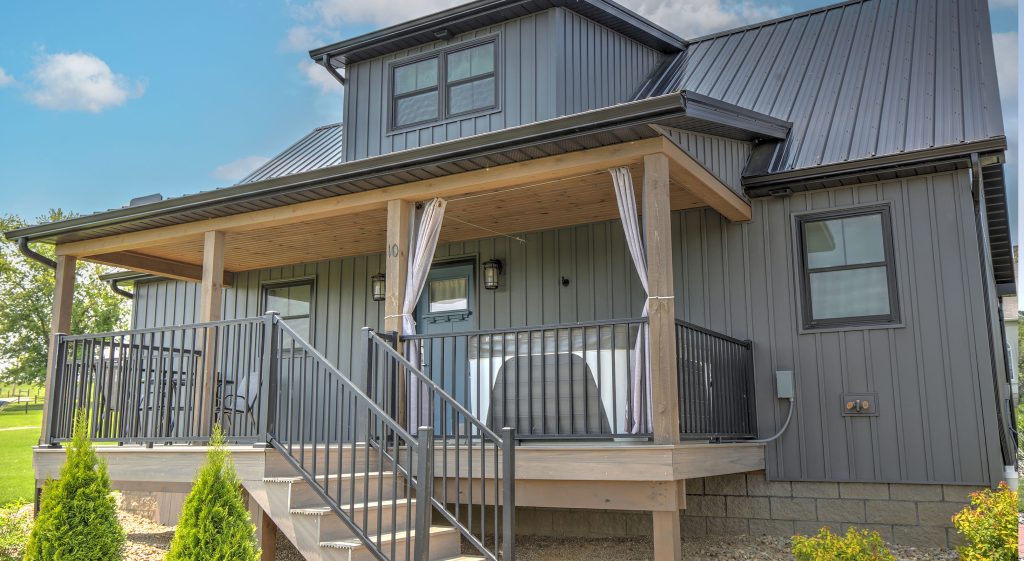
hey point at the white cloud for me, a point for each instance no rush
(317, 75)
(688, 18)
(5, 78)
(236, 170)
(79, 82)
(302, 38)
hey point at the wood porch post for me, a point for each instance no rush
(662, 340)
(60, 322)
(212, 296)
(396, 271)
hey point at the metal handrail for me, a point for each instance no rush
(545, 327)
(480, 431)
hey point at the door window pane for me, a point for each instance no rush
(447, 295)
(850, 293)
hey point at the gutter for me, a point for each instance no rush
(34, 255)
(680, 103)
(114, 286)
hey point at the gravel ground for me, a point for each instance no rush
(718, 548)
(148, 541)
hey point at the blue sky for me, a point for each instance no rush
(104, 101)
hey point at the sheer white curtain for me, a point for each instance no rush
(625, 196)
(421, 254)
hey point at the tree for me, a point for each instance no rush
(27, 288)
(77, 516)
(215, 524)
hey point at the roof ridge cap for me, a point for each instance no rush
(775, 21)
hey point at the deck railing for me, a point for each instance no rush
(716, 384)
(162, 384)
(556, 381)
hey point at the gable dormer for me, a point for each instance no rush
(487, 66)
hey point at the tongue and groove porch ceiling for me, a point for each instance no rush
(570, 194)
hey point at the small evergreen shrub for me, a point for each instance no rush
(863, 545)
(77, 514)
(989, 526)
(215, 523)
(15, 524)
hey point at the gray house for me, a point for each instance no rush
(558, 271)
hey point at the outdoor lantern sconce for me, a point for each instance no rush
(492, 269)
(378, 287)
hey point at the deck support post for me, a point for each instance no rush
(661, 311)
(212, 296)
(60, 322)
(400, 214)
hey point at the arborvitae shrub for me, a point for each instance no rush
(77, 516)
(214, 523)
(989, 526)
(864, 545)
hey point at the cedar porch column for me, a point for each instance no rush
(662, 341)
(396, 271)
(212, 296)
(60, 322)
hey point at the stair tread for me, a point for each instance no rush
(361, 506)
(387, 537)
(297, 478)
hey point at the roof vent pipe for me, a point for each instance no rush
(34, 255)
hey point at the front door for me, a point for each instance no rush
(448, 306)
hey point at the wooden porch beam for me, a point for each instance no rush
(522, 173)
(211, 299)
(60, 322)
(689, 174)
(158, 266)
(400, 215)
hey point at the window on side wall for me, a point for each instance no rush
(293, 300)
(459, 80)
(849, 278)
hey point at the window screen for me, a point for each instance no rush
(849, 276)
(454, 81)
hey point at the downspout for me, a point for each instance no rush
(325, 61)
(34, 255)
(114, 286)
(1007, 446)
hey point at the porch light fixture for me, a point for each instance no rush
(378, 287)
(492, 269)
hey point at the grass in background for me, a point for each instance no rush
(16, 480)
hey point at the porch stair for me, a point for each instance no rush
(320, 535)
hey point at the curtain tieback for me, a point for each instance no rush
(661, 297)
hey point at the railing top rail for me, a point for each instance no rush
(438, 390)
(345, 381)
(526, 328)
(221, 323)
(713, 333)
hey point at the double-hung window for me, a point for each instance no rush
(456, 81)
(849, 277)
(293, 300)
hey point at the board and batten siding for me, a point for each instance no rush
(723, 157)
(550, 64)
(933, 374)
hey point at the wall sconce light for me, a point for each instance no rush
(492, 269)
(378, 287)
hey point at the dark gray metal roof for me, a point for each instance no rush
(858, 80)
(601, 127)
(319, 149)
(474, 15)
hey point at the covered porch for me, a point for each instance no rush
(548, 382)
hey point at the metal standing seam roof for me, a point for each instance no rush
(319, 149)
(858, 80)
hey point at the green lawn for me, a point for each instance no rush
(16, 459)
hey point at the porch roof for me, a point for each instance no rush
(602, 127)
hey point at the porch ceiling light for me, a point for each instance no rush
(492, 269)
(378, 287)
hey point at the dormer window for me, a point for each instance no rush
(470, 85)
